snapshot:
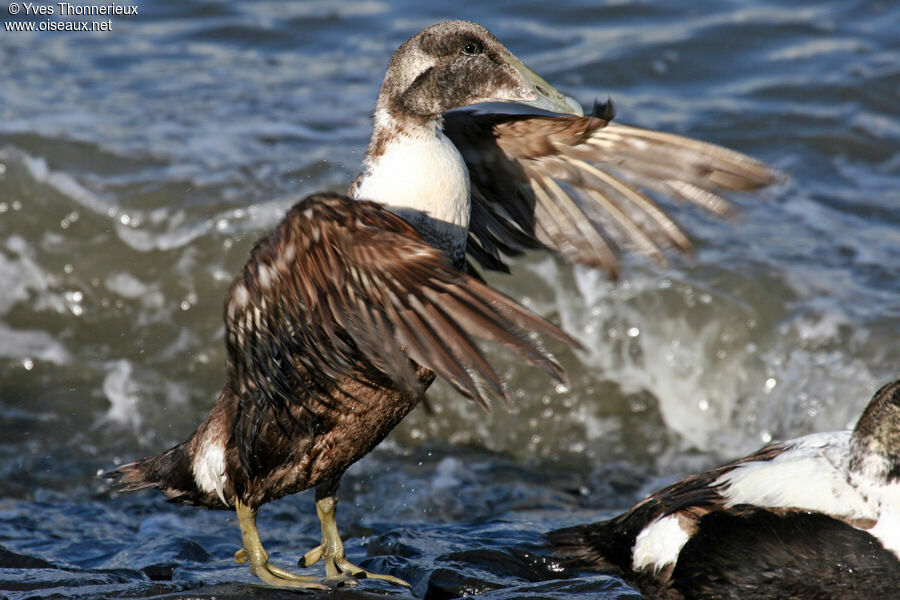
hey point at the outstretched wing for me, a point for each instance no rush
(577, 185)
(344, 288)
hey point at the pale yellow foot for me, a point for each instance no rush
(254, 553)
(331, 550)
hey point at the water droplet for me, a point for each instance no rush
(28, 364)
(68, 269)
(770, 384)
(124, 219)
(703, 405)
(633, 332)
(766, 437)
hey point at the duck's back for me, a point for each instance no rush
(761, 554)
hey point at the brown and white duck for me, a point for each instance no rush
(817, 517)
(572, 184)
(344, 315)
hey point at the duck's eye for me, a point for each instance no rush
(471, 48)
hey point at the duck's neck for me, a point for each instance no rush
(416, 172)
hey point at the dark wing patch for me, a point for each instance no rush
(767, 554)
(344, 289)
(607, 544)
(576, 185)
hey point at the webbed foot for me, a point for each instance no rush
(331, 550)
(255, 554)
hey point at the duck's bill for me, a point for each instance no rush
(535, 91)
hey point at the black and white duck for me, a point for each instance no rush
(816, 517)
(345, 314)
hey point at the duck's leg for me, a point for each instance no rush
(254, 553)
(331, 550)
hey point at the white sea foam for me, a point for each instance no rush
(122, 392)
(63, 183)
(126, 285)
(31, 345)
(724, 376)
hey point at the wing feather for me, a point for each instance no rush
(576, 185)
(344, 289)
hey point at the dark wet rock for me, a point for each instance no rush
(11, 560)
(160, 572)
(192, 551)
(445, 583)
(508, 562)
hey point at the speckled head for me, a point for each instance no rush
(411, 167)
(459, 63)
(875, 445)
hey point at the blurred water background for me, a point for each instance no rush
(138, 166)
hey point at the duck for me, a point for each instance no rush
(571, 183)
(338, 322)
(345, 313)
(817, 517)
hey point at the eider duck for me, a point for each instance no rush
(345, 314)
(571, 184)
(817, 517)
(337, 324)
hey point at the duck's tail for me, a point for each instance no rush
(591, 546)
(169, 471)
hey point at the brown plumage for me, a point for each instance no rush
(336, 325)
(345, 314)
(577, 185)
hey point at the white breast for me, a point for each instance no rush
(424, 179)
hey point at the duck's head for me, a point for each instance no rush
(875, 444)
(460, 63)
